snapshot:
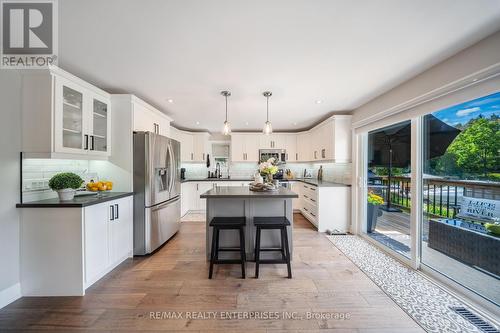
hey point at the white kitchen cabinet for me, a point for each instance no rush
(272, 141)
(194, 146)
(326, 207)
(202, 187)
(188, 197)
(201, 147)
(146, 118)
(64, 116)
(85, 244)
(121, 230)
(97, 236)
(108, 237)
(304, 147)
(245, 147)
(291, 147)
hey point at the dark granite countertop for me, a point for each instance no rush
(310, 181)
(216, 180)
(319, 183)
(78, 201)
(244, 192)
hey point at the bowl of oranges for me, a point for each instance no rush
(100, 186)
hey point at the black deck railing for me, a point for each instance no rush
(442, 197)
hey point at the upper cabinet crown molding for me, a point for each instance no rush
(64, 116)
(328, 141)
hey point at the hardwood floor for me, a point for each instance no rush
(324, 283)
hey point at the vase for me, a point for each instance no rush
(269, 178)
(66, 194)
(371, 216)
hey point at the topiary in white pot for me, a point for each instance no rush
(65, 184)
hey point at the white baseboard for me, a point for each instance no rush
(9, 295)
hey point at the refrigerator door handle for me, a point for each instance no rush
(173, 167)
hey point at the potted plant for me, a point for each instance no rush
(65, 184)
(267, 169)
(374, 201)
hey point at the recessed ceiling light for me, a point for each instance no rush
(197, 123)
(246, 123)
(319, 101)
(170, 100)
(474, 80)
(294, 124)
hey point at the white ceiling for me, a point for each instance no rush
(341, 52)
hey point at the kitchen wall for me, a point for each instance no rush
(10, 146)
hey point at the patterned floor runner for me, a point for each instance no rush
(424, 301)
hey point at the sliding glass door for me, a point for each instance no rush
(445, 215)
(461, 194)
(388, 200)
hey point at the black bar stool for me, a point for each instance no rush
(272, 223)
(227, 223)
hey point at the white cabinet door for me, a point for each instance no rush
(120, 230)
(96, 241)
(252, 147)
(143, 119)
(327, 139)
(200, 147)
(187, 147)
(202, 187)
(296, 187)
(188, 197)
(238, 148)
(99, 129)
(304, 147)
(291, 147)
(70, 117)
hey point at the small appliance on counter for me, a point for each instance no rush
(183, 173)
(279, 174)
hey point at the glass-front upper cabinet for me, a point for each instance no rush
(70, 117)
(100, 126)
(72, 125)
(82, 120)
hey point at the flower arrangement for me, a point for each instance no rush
(268, 168)
(375, 199)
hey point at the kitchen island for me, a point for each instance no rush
(225, 201)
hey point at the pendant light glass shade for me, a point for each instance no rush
(268, 127)
(226, 130)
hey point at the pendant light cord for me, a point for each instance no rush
(226, 108)
(267, 103)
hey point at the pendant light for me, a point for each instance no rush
(227, 129)
(268, 128)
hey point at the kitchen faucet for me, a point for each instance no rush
(217, 170)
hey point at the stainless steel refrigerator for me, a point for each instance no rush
(157, 189)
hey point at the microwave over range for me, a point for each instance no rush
(278, 154)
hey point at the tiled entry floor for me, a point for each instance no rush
(325, 283)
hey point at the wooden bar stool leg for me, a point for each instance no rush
(282, 239)
(287, 251)
(242, 252)
(257, 252)
(212, 254)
